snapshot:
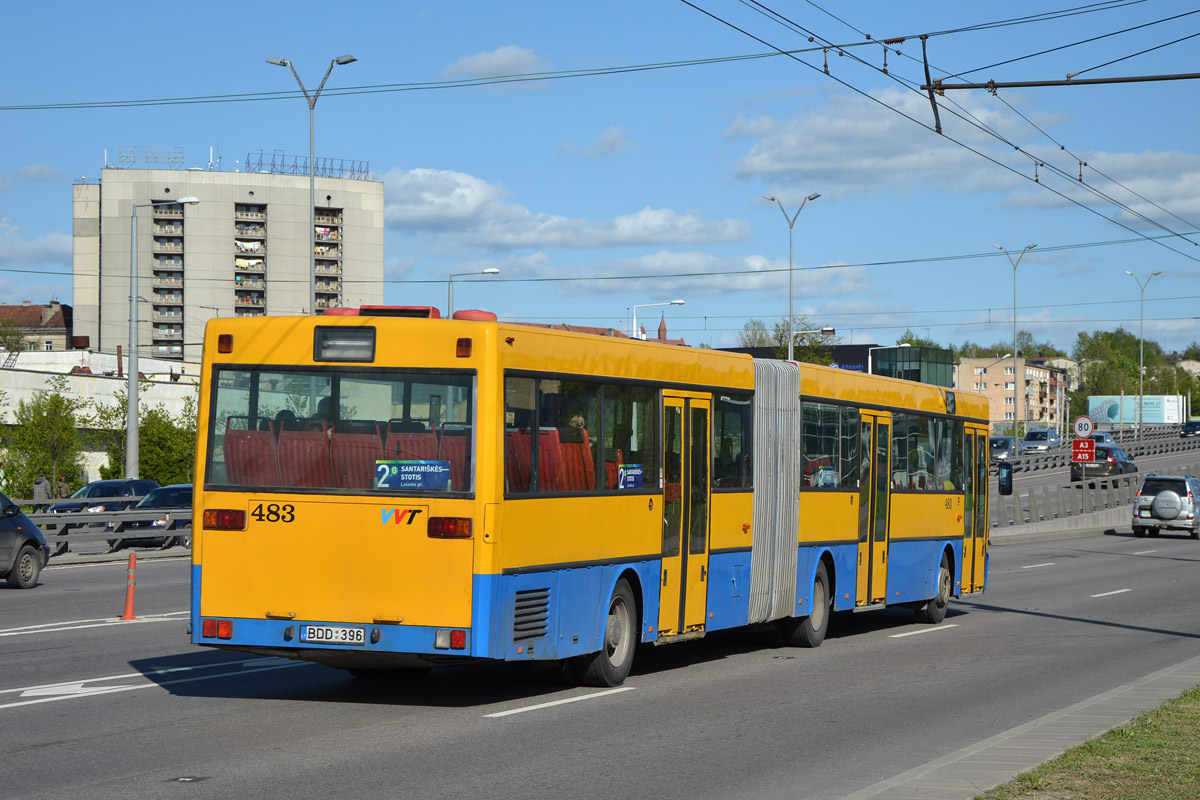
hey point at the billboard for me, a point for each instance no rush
(1159, 409)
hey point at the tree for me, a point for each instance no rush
(910, 338)
(166, 444)
(11, 337)
(811, 346)
(1192, 351)
(45, 438)
(754, 334)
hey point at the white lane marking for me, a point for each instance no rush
(79, 624)
(923, 630)
(68, 690)
(1035, 566)
(1144, 552)
(591, 696)
(1109, 594)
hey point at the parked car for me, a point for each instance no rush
(1190, 428)
(107, 495)
(1167, 502)
(161, 506)
(1110, 460)
(1003, 448)
(1103, 437)
(1040, 441)
(23, 548)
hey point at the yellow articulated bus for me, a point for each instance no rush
(385, 493)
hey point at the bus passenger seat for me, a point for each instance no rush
(304, 459)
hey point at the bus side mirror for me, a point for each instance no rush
(1004, 473)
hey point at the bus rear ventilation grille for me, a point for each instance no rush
(531, 612)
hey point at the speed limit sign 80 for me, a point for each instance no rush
(1084, 427)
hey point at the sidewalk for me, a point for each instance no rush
(973, 769)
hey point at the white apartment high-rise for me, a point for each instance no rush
(242, 251)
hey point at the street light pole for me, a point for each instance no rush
(1142, 341)
(450, 286)
(312, 181)
(791, 221)
(633, 334)
(1016, 391)
(131, 402)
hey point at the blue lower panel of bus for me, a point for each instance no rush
(557, 613)
(913, 568)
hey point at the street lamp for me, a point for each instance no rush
(1141, 341)
(634, 332)
(1016, 393)
(131, 404)
(450, 286)
(791, 221)
(312, 185)
(826, 331)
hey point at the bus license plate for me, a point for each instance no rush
(332, 634)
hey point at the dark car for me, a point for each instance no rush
(165, 507)
(1110, 460)
(1190, 428)
(23, 548)
(1003, 448)
(107, 495)
(1167, 502)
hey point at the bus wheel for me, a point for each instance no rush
(934, 611)
(810, 631)
(610, 665)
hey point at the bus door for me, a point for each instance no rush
(975, 532)
(874, 487)
(686, 458)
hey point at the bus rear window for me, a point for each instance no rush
(341, 430)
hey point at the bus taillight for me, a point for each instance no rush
(225, 519)
(217, 629)
(449, 528)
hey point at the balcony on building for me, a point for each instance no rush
(250, 211)
(255, 265)
(167, 280)
(251, 230)
(168, 244)
(248, 297)
(249, 246)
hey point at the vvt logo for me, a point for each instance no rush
(399, 516)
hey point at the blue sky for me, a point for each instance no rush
(595, 193)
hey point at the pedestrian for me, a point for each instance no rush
(64, 488)
(41, 492)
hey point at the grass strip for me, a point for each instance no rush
(1156, 756)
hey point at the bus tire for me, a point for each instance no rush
(611, 663)
(934, 611)
(810, 631)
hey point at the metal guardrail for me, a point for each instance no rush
(92, 527)
(1042, 503)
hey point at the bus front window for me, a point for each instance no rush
(342, 430)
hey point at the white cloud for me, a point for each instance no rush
(16, 250)
(855, 146)
(613, 141)
(41, 172)
(506, 60)
(479, 213)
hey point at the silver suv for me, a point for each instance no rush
(1167, 502)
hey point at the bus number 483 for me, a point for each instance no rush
(273, 512)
